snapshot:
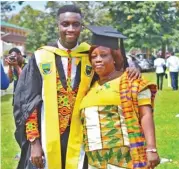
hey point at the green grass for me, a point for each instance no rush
(167, 128)
(167, 125)
(9, 147)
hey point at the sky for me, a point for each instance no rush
(40, 5)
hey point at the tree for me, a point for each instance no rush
(43, 25)
(7, 6)
(93, 14)
(99, 17)
(147, 24)
(34, 20)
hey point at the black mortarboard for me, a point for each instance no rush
(105, 36)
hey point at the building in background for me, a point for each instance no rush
(12, 36)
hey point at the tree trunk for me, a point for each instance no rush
(148, 53)
(163, 50)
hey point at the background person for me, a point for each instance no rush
(16, 63)
(116, 113)
(173, 66)
(159, 64)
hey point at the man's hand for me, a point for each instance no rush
(152, 160)
(133, 73)
(37, 154)
(11, 62)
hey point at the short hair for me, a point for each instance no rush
(68, 8)
(14, 50)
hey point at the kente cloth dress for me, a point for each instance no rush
(105, 130)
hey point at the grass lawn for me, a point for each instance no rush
(167, 128)
(9, 147)
(167, 125)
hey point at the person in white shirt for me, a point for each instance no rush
(173, 66)
(159, 64)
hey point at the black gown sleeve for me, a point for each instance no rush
(27, 97)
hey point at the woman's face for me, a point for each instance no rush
(102, 61)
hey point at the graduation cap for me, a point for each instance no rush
(105, 36)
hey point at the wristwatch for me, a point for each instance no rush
(153, 150)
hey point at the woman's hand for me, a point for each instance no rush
(133, 73)
(152, 160)
(37, 154)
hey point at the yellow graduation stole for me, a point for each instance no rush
(45, 58)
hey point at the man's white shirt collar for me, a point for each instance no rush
(63, 48)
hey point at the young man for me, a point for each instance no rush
(47, 99)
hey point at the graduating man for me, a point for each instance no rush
(47, 98)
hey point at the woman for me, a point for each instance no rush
(116, 113)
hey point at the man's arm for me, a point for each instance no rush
(133, 73)
(10, 73)
(33, 136)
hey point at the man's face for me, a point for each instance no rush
(69, 24)
(14, 56)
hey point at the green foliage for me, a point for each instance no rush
(93, 14)
(147, 24)
(35, 21)
(43, 25)
(7, 6)
(166, 124)
(177, 54)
